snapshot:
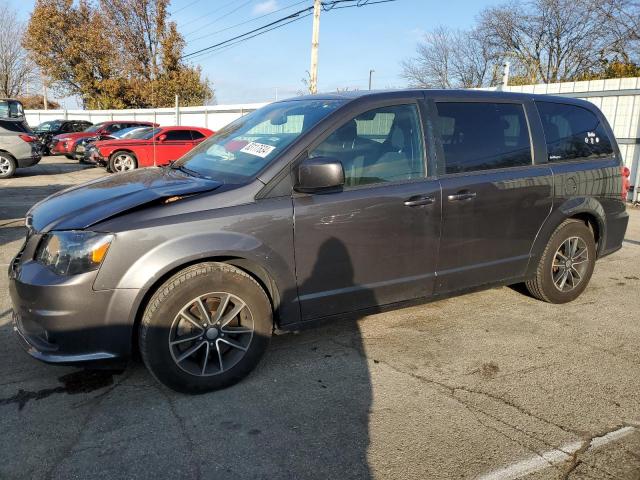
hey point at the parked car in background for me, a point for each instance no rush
(316, 208)
(159, 146)
(48, 130)
(19, 146)
(64, 144)
(10, 108)
(84, 147)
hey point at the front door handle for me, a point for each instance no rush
(419, 200)
(457, 197)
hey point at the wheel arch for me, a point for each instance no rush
(586, 209)
(257, 272)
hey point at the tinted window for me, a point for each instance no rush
(178, 135)
(482, 136)
(67, 127)
(114, 127)
(196, 135)
(382, 145)
(14, 126)
(573, 132)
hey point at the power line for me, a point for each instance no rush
(267, 28)
(211, 50)
(185, 7)
(217, 10)
(247, 21)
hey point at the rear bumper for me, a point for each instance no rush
(616, 230)
(63, 320)
(29, 161)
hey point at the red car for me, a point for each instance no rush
(64, 144)
(159, 146)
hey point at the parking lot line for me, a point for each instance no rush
(554, 457)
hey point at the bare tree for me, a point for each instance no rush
(447, 58)
(551, 40)
(16, 69)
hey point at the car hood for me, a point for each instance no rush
(75, 135)
(81, 206)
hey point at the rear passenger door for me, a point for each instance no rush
(495, 198)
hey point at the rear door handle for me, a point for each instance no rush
(419, 200)
(457, 197)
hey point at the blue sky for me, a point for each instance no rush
(352, 41)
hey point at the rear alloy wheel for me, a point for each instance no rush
(566, 265)
(7, 166)
(205, 328)
(123, 162)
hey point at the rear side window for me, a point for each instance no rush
(14, 126)
(573, 132)
(196, 135)
(178, 135)
(483, 136)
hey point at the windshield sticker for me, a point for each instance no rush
(258, 149)
(591, 138)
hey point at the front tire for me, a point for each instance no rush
(566, 265)
(7, 166)
(122, 161)
(205, 328)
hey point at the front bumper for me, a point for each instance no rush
(63, 320)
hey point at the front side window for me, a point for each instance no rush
(573, 132)
(482, 136)
(237, 152)
(378, 146)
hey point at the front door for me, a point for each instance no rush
(375, 242)
(174, 146)
(495, 199)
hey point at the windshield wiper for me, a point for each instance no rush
(186, 170)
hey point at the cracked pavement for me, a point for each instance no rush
(462, 388)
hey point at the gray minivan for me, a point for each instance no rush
(19, 147)
(314, 208)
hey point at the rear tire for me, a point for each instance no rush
(566, 266)
(205, 328)
(8, 166)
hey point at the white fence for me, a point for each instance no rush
(619, 100)
(213, 117)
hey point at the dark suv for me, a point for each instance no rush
(314, 208)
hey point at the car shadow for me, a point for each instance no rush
(303, 413)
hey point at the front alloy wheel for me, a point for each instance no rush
(211, 333)
(205, 328)
(123, 162)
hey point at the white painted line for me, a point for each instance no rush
(552, 457)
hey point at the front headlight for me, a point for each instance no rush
(73, 252)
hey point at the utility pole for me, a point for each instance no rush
(370, 75)
(315, 39)
(44, 93)
(505, 75)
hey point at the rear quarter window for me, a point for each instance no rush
(573, 132)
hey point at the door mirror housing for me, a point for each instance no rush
(162, 138)
(318, 174)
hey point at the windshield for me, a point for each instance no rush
(95, 127)
(138, 133)
(240, 150)
(48, 126)
(125, 132)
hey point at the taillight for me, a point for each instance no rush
(28, 138)
(626, 183)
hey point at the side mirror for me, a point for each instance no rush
(162, 138)
(320, 173)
